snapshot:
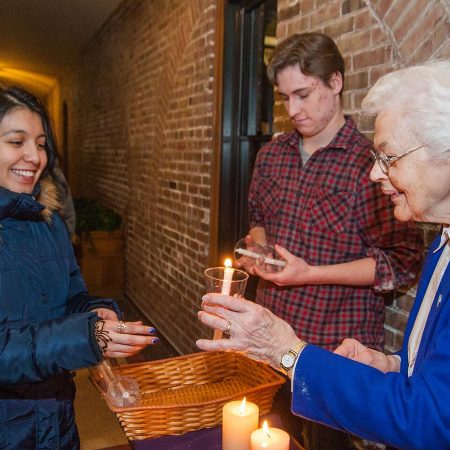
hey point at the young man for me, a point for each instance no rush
(311, 194)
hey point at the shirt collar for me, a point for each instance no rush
(341, 140)
(445, 238)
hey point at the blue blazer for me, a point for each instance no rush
(408, 413)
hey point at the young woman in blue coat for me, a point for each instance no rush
(401, 400)
(49, 324)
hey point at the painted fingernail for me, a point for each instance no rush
(151, 330)
(155, 340)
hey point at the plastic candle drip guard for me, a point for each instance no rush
(266, 257)
(121, 391)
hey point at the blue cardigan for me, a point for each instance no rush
(408, 413)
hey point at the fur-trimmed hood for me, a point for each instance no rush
(42, 202)
(49, 198)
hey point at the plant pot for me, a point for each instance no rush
(102, 262)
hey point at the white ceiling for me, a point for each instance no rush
(39, 39)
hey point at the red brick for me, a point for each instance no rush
(346, 100)
(378, 71)
(356, 80)
(339, 27)
(378, 36)
(389, 340)
(329, 11)
(357, 97)
(354, 42)
(288, 12)
(396, 318)
(372, 57)
(382, 6)
(300, 25)
(444, 50)
(306, 6)
(364, 20)
(431, 43)
(408, 22)
(404, 302)
(349, 6)
(396, 10)
(429, 21)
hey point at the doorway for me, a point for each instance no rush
(247, 116)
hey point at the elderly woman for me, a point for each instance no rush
(400, 400)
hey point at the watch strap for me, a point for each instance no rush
(295, 351)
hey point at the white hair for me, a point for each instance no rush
(421, 94)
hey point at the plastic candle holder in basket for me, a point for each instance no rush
(121, 391)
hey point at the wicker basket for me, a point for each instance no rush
(187, 393)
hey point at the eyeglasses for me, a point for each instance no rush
(385, 161)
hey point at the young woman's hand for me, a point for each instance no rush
(122, 339)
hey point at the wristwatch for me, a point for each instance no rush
(288, 359)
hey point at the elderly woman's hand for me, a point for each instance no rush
(252, 329)
(353, 349)
(296, 272)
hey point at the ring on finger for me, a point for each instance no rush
(227, 330)
(121, 327)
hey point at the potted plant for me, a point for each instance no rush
(101, 247)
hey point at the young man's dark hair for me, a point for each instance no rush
(316, 54)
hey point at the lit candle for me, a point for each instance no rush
(269, 439)
(239, 420)
(226, 287)
(227, 277)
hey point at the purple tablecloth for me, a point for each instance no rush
(206, 439)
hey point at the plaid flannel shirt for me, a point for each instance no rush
(329, 212)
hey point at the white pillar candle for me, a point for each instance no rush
(266, 438)
(239, 420)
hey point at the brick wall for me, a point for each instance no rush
(375, 37)
(140, 103)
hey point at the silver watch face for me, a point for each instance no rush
(288, 360)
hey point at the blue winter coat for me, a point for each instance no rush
(46, 329)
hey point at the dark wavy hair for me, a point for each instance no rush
(315, 53)
(15, 97)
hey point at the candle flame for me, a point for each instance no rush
(228, 262)
(242, 407)
(266, 428)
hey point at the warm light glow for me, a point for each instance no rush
(228, 262)
(30, 80)
(266, 428)
(242, 407)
